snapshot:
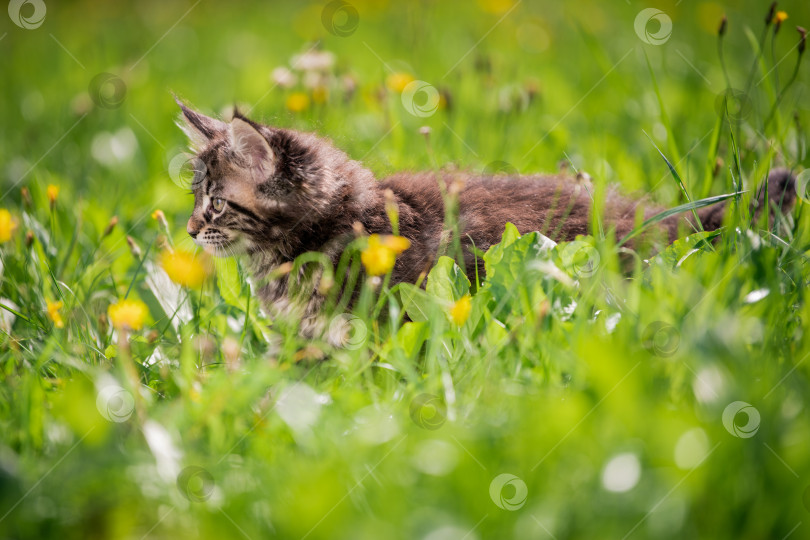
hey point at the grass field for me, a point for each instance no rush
(568, 399)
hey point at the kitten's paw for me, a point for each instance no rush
(347, 332)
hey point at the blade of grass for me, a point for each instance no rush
(735, 153)
(691, 206)
(71, 246)
(247, 317)
(21, 316)
(138, 269)
(673, 146)
(714, 147)
(759, 49)
(678, 179)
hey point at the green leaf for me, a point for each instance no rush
(508, 260)
(683, 248)
(496, 335)
(516, 263)
(410, 337)
(495, 253)
(417, 304)
(228, 281)
(446, 281)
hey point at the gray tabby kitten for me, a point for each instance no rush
(273, 194)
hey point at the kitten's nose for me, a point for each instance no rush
(193, 227)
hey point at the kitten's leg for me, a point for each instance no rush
(313, 322)
(305, 304)
(301, 305)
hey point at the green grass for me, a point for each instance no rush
(602, 391)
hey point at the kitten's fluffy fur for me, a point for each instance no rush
(274, 194)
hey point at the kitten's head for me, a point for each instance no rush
(254, 184)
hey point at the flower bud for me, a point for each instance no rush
(778, 19)
(718, 166)
(769, 16)
(133, 247)
(26, 198)
(110, 226)
(53, 193)
(160, 217)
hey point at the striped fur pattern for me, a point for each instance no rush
(273, 194)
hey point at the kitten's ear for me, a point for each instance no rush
(200, 129)
(249, 144)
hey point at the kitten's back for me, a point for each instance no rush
(557, 206)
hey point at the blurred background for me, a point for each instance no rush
(503, 85)
(527, 83)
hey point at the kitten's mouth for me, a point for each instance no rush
(221, 246)
(225, 248)
(221, 249)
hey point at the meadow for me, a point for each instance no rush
(581, 390)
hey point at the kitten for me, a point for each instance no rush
(274, 194)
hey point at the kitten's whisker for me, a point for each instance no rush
(186, 241)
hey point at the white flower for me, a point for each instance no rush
(114, 148)
(313, 61)
(167, 455)
(283, 77)
(313, 79)
(7, 318)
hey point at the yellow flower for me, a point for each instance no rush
(460, 311)
(53, 313)
(297, 102)
(780, 17)
(160, 217)
(381, 254)
(397, 244)
(53, 193)
(396, 82)
(184, 268)
(7, 225)
(128, 314)
(377, 258)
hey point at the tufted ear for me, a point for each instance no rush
(200, 129)
(249, 144)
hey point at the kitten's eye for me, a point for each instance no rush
(218, 204)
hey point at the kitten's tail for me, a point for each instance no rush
(781, 194)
